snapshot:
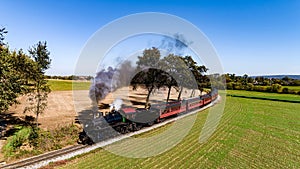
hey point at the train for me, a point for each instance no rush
(130, 119)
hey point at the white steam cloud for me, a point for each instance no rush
(117, 104)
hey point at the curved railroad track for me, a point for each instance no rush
(66, 153)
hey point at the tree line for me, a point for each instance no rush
(71, 77)
(260, 83)
(24, 74)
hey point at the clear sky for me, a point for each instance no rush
(257, 37)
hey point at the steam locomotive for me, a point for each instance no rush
(129, 119)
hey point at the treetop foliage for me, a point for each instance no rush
(40, 54)
(154, 72)
(2, 36)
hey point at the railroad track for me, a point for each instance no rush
(66, 153)
(27, 163)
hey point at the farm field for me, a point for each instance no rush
(63, 85)
(253, 133)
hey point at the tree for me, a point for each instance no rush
(12, 73)
(197, 74)
(148, 73)
(171, 64)
(10, 88)
(245, 79)
(40, 89)
(2, 36)
(151, 78)
(20, 75)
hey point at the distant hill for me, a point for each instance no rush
(279, 76)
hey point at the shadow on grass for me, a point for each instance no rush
(10, 119)
(264, 98)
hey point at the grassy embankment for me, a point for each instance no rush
(253, 133)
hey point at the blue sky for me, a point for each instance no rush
(256, 37)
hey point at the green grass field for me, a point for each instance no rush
(253, 133)
(62, 85)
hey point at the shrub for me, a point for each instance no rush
(285, 90)
(276, 88)
(292, 92)
(237, 86)
(229, 86)
(249, 86)
(269, 89)
(259, 88)
(16, 141)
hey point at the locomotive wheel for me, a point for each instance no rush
(124, 130)
(137, 127)
(150, 123)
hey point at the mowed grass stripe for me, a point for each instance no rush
(251, 134)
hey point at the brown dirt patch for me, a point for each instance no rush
(60, 110)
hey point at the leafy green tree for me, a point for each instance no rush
(197, 73)
(245, 79)
(148, 73)
(285, 90)
(14, 67)
(276, 88)
(2, 36)
(20, 75)
(40, 89)
(10, 88)
(172, 65)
